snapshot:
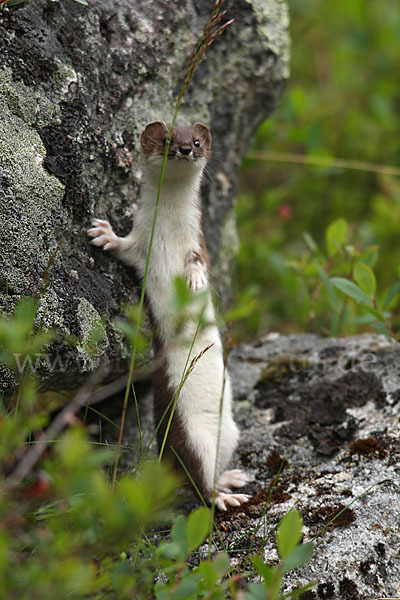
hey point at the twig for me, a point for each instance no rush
(385, 321)
(45, 278)
(110, 389)
(324, 161)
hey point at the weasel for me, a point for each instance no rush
(179, 250)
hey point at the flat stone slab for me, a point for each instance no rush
(320, 422)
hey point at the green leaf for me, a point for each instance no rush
(329, 287)
(256, 592)
(370, 256)
(120, 572)
(381, 328)
(160, 591)
(169, 550)
(221, 563)
(73, 449)
(186, 589)
(365, 278)
(351, 251)
(265, 571)
(178, 533)
(375, 313)
(182, 294)
(298, 557)
(208, 572)
(25, 314)
(311, 270)
(351, 289)
(241, 311)
(296, 265)
(289, 533)
(197, 527)
(309, 240)
(364, 319)
(336, 236)
(395, 289)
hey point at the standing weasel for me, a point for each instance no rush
(179, 250)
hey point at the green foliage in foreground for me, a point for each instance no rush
(67, 532)
(341, 103)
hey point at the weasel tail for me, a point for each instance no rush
(191, 377)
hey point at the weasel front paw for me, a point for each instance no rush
(103, 235)
(223, 501)
(196, 276)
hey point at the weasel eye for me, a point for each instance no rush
(196, 143)
(164, 143)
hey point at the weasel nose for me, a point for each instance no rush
(185, 149)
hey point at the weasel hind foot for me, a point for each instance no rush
(103, 235)
(223, 500)
(224, 497)
(235, 478)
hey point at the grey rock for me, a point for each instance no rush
(78, 84)
(331, 409)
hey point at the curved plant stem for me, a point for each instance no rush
(141, 303)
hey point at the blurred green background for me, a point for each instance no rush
(342, 102)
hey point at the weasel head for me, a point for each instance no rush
(188, 153)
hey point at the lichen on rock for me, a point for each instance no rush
(93, 341)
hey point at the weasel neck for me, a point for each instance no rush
(181, 183)
(178, 226)
(176, 193)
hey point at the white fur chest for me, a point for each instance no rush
(176, 235)
(177, 228)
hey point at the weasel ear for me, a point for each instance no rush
(152, 135)
(204, 132)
